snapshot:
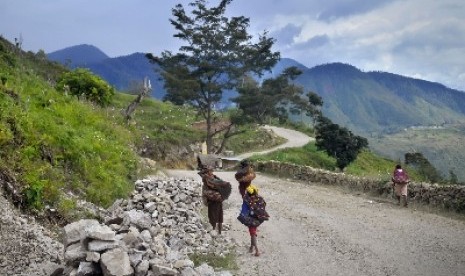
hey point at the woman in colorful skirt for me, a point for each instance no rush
(253, 214)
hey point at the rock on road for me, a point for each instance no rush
(321, 230)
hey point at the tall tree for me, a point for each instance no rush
(423, 166)
(276, 98)
(217, 55)
(338, 142)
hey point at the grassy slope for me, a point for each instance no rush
(53, 144)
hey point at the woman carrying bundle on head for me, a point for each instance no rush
(253, 214)
(214, 192)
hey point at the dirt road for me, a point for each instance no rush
(319, 230)
(294, 139)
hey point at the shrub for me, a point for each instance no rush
(82, 83)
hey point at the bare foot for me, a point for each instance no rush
(257, 254)
(250, 249)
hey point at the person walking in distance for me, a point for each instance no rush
(400, 180)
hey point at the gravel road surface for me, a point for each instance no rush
(320, 230)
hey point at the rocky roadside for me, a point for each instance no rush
(26, 248)
(151, 233)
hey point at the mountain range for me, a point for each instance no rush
(365, 102)
(374, 104)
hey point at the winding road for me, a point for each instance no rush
(294, 139)
(320, 230)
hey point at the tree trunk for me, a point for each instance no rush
(132, 106)
(209, 139)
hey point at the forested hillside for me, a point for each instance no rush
(378, 102)
(366, 102)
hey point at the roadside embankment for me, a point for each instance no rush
(450, 197)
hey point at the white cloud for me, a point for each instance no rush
(424, 38)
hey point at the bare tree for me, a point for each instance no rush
(133, 105)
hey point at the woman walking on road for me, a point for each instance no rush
(253, 214)
(400, 180)
(214, 192)
(244, 175)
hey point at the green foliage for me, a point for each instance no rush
(305, 156)
(368, 102)
(422, 164)
(53, 144)
(369, 164)
(252, 137)
(443, 147)
(275, 98)
(217, 54)
(34, 193)
(159, 126)
(226, 262)
(82, 83)
(338, 142)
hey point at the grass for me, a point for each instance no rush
(226, 262)
(55, 145)
(306, 156)
(162, 122)
(59, 149)
(367, 164)
(253, 137)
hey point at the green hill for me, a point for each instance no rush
(54, 146)
(382, 102)
(78, 56)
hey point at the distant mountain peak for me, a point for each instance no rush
(78, 55)
(337, 67)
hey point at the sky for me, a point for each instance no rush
(423, 39)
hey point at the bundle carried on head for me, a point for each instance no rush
(245, 173)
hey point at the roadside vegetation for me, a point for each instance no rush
(62, 145)
(56, 148)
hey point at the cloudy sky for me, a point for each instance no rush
(417, 38)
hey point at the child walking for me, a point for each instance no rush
(253, 214)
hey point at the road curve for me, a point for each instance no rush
(294, 139)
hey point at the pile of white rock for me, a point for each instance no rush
(26, 248)
(152, 233)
